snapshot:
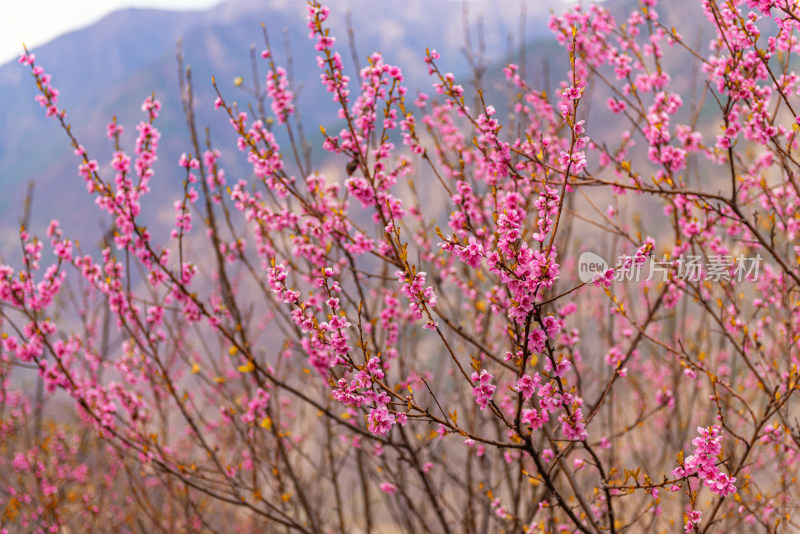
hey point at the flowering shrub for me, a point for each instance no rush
(320, 356)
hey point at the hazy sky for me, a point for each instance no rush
(34, 22)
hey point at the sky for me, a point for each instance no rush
(35, 22)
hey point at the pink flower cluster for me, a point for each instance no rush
(278, 90)
(484, 389)
(703, 463)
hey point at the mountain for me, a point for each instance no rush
(108, 68)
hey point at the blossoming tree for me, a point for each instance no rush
(314, 354)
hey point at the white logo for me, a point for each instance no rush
(590, 264)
